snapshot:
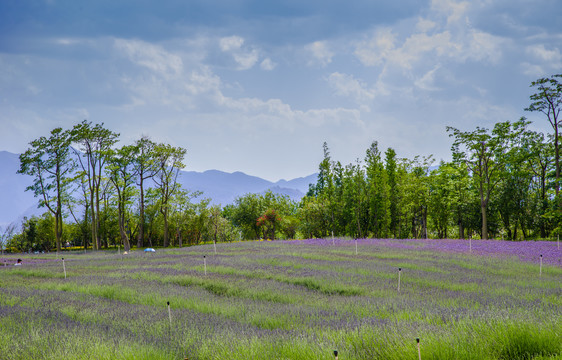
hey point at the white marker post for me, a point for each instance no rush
(470, 243)
(419, 349)
(169, 314)
(205, 264)
(64, 267)
(333, 241)
(399, 272)
(355, 246)
(540, 266)
(215, 244)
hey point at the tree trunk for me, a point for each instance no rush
(166, 234)
(140, 238)
(94, 228)
(484, 222)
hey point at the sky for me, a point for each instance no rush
(258, 86)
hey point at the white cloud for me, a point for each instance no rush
(445, 34)
(347, 85)
(66, 41)
(267, 64)
(150, 56)
(454, 11)
(231, 43)
(425, 25)
(377, 48)
(540, 52)
(246, 60)
(244, 57)
(482, 46)
(532, 70)
(320, 52)
(426, 82)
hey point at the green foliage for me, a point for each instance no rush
(502, 182)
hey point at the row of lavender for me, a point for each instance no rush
(290, 300)
(530, 251)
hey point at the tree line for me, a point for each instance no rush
(501, 182)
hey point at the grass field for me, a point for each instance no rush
(288, 300)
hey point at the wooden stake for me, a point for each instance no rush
(64, 267)
(169, 313)
(355, 246)
(419, 350)
(399, 272)
(470, 244)
(205, 264)
(333, 241)
(215, 244)
(540, 266)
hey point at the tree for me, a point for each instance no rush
(121, 172)
(548, 100)
(73, 203)
(540, 161)
(416, 194)
(181, 210)
(48, 162)
(244, 213)
(486, 156)
(476, 150)
(94, 144)
(513, 199)
(391, 175)
(269, 221)
(377, 192)
(170, 162)
(312, 217)
(145, 167)
(440, 202)
(6, 235)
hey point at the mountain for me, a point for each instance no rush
(15, 202)
(221, 187)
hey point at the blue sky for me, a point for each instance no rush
(258, 86)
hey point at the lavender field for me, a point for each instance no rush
(288, 300)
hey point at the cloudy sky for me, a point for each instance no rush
(257, 86)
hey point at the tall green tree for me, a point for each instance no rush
(548, 100)
(121, 172)
(170, 162)
(416, 194)
(540, 163)
(390, 167)
(477, 150)
(377, 192)
(244, 213)
(49, 163)
(146, 167)
(94, 143)
(513, 198)
(441, 202)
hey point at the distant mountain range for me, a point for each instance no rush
(221, 187)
